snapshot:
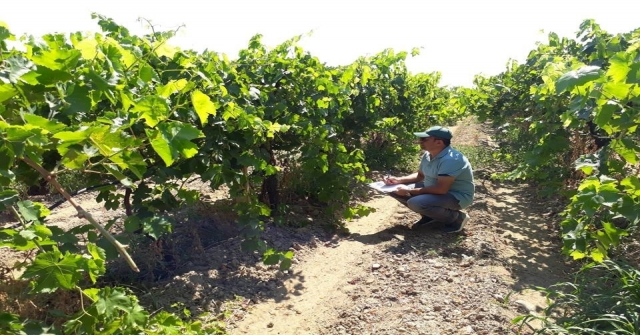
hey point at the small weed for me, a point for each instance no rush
(504, 302)
(432, 253)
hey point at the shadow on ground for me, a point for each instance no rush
(202, 265)
(509, 226)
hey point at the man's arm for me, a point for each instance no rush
(448, 170)
(442, 186)
(412, 178)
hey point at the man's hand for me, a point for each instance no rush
(390, 180)
(403, 190)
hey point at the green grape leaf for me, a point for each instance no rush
(57, 58)
(8, 198)
(28, 234)
(619, 68)
(156, 226)
(203, 106)
(136, 316)
(101, 83)
(577, 77)
(42, 231)
(347, 75)
(577, 254)
(110, 250)
(114, 52)
(7, 92)
(113, 169)
(588, 163)
(108, 142)
(131, 160)
(631, 185)
(173, 86)
(19, 133)
(52, 270)
(153, 109)
(634, 73)
(598, 254)
(619, 91)
(173, 139)
(7, 157)
(568, 119)
(609, 193)
(110, 301)
(78, 100)
(628, 208)
(114, 145)
(32, 211)
(126, 99)
(95, 266)
(15, 68)
(161, 48)
(605, 112)
(190, 196)
(39, 121)
(590, 202)
(147, 73)
(288, 254)
(285, 264)
(132, 224)
(626, 148)
(252, 244)
(613, 233)
(75, 159)
(21, 241)
(270, 257)
(31, 78)
(232, 111)
(5, 34)
(248, 159)
(66, 240)
(88, 47)
(603, 239)
(6, 177)
(69, 138)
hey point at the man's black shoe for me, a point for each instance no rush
(458, 224)
(423, 221)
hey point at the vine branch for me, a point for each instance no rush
(81, 212)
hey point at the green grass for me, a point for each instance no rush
(480, 157)
(602, 299)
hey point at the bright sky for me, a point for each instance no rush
(459, 38)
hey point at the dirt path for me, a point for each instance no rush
(324, 283)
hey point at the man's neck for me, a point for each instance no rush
(434, 153)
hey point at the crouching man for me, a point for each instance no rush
(443, 184)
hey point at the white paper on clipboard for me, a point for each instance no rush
(380, 186)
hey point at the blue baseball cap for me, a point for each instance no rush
(437, 131)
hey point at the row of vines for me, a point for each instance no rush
(137, 118)
(132, 113)
(568, 119)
